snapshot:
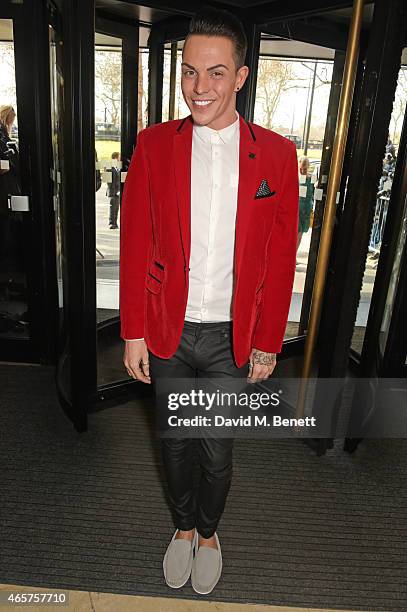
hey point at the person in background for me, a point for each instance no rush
(10, 184)
(389, 163)
(306, 198)
(9, 152)
(390, 148)
(98, 176)
(113, 191)
(10, 175)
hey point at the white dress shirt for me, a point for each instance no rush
(214, 187)
(214, 184)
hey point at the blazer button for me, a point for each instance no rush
(185, 268)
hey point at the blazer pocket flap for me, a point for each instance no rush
(155, 276)
(265, 196)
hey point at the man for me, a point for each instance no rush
(113, 191)
(306, 198)
(209, 223)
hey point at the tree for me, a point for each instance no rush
(273, 78)
(8, 85)
(321, 73)
(399, 105)
(108, 76)
(140, 93)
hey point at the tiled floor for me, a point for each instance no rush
(83, 601)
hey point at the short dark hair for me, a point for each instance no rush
(219, 22)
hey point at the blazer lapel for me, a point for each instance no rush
(249, 160)
(182, 168)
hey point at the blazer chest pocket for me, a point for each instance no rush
(155, 276)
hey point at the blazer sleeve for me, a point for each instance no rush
(280, 264)
(135, 243)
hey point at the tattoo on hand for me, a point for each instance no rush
(262, 358)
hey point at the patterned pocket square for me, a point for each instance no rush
(264, 190)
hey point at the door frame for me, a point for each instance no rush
(80, 360)
(30, 38)
(130, 36)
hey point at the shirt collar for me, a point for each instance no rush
(224, 135)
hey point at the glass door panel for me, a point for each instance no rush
(380, 214)
(108, 86)
(121, 86)
(142, 107)
(57, 176)
(108, 177)
(56, 92)
(391, 293)
(174, 106)
(292, 97)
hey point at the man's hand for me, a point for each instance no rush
(261, 365)
(136, 360)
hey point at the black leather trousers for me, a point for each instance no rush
(205, 350)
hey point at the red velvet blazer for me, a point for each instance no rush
(155, 237)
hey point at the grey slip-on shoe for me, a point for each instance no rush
(177, 562)
(206, 568)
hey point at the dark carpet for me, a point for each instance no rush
(88, 511)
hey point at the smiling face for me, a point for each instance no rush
(209, 79)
